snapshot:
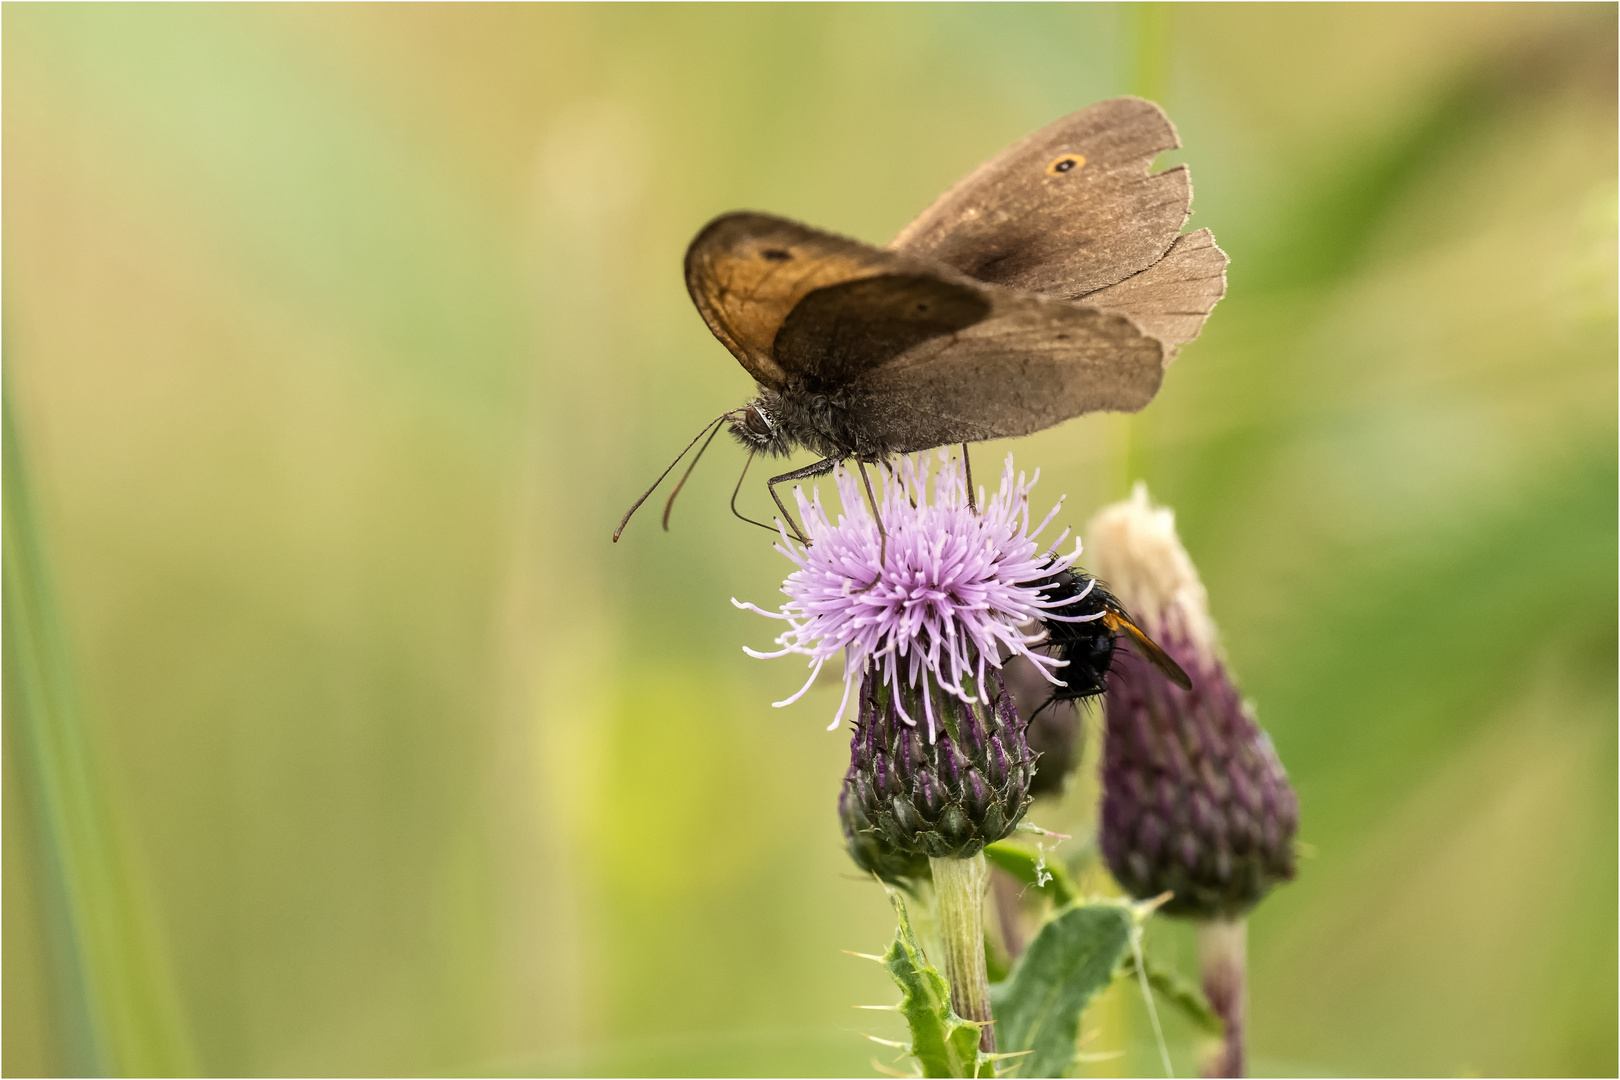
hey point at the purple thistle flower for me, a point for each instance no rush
(956, 589)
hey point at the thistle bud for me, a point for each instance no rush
(1053, 728)
(871, 852)
(1195, 800)
(907, 799)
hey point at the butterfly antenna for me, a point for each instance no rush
(738, 488)
(637, 504)
(669, 504)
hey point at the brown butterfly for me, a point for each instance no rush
(1052, 281)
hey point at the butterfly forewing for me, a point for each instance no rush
(1066, 211)
(747, 272)
(840, 333)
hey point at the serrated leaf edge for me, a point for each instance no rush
(954, 1059)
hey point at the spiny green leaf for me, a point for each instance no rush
(1072, 957)
(943, 1043)
(1050, 877)
(1180, 991)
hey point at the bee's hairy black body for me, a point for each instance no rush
(1087, 646)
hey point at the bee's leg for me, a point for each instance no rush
(819, 468)
(967, 464)
(883, 537)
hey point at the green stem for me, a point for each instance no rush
(1222, 956)
(959, 886)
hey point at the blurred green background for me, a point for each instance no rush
(339, 739)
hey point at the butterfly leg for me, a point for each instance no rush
(967, 465)
(888, 468)
(809, 472)
(883, 537)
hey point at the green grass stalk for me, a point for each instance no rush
(119, 1014)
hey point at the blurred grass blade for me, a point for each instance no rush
(1072, 958)
(1149, 22)
(1179, 991)
(117, 1010)
(1348, 206)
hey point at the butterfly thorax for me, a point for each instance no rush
(826, 423)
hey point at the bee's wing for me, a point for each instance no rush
(1149, 649)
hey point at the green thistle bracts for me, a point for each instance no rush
(870, 851)
(907, 799)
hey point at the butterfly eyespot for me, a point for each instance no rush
(1064, 163)
(777, 254)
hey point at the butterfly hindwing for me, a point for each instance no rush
(1031, 363)
(840, 333)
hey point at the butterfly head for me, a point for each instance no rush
(758, 426)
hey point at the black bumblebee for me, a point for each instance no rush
(1089, 646)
